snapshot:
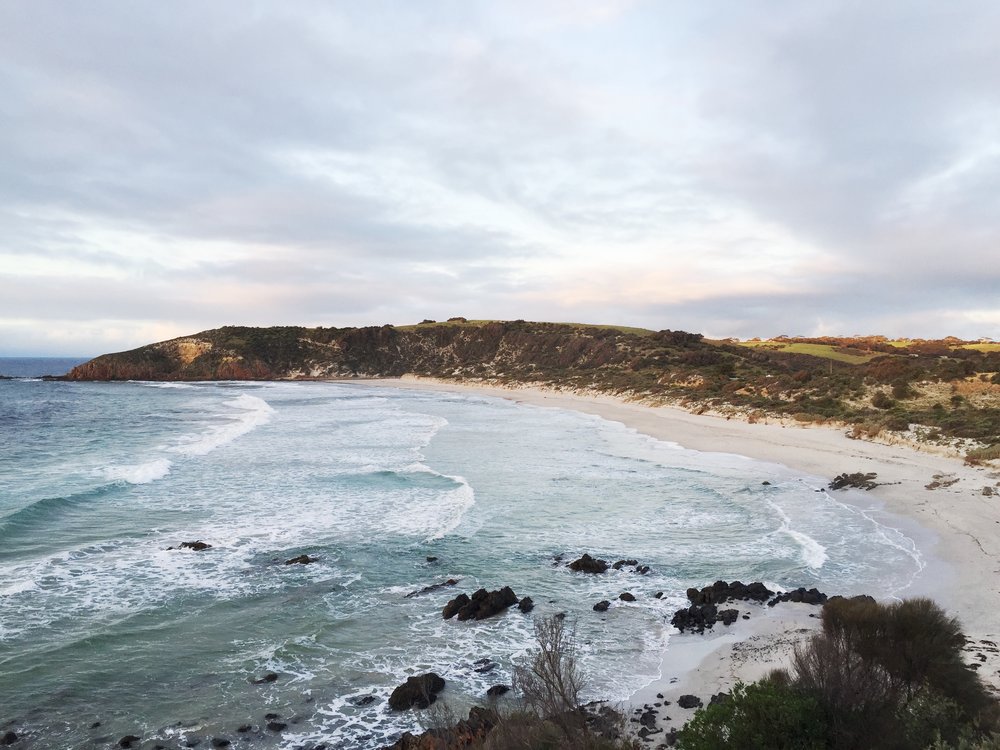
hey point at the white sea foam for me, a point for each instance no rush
(251, 412)
(164, 385)
(813, 553)
(143, 473)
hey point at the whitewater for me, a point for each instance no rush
(106, 631)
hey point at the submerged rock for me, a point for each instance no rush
(197, 546)
(433, 587)
(301, 560)
(418, 691)
(269, 677)
(497, 690)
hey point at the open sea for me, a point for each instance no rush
(105, 631)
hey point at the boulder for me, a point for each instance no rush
(588, 564)
(622, 563)
(720, 592)
(301, 560)
(418, 691)
(480, 605)
(689, 701)
(129, 740)
(276, 726)
(9, 738)
(269, 677)
(526, 604)
(626, 597)
(602, 606)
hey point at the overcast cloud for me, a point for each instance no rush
(733, 168)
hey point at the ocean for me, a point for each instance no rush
(105, 631)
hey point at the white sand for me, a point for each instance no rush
(965, 526)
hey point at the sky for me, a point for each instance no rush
(742, 168)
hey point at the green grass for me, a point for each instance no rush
(823, 351)
(994, 347)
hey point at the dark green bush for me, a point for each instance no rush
(765, 715)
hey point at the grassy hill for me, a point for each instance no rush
(932, 390)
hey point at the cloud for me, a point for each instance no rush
(175, 167)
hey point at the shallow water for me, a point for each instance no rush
(100, 622)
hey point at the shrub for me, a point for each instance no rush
(978, 455)
(765, 715)
(881, 401)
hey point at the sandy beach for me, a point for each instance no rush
(959, 529)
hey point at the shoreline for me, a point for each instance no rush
(938, 494)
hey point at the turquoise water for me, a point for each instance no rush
(100, 622)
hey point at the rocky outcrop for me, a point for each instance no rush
(480, 605)
(721, 592)
(526, 604)
(602, 606)
(418, 691)
(588, 564)
(859, 480)
(799, 595)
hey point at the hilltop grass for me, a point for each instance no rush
(480, 323)
(823, 351)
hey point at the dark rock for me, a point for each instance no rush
(129, 740)
(273, 715)
(728, 616)
(526, 604)
(431, 558)
(658, 595)
(642, 570)
(432, 587)
(765, 483)
(196, 546)
(276, 726)
(301, 560)
(560, 615)
(602, 606)
(622, 563)
(626, 597)
(858, 480)
(418, 691)
(720, 592)
(719, 698)
(486, 668)
(588, 564)
(800, 595)
(269, 677)
(10, 737)
(244, 728)
(95, 725)
(497, 690)
(361, 700)
(689, 701)
(480, 605)
(221, 742)
(452, 608)
(648, 718)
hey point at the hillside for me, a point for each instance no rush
(944, 390)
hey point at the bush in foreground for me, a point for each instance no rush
(878, 677)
